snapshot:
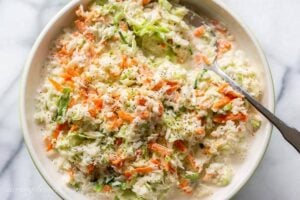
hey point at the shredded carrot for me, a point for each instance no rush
(199, 93)
(188, 190)
(145, 71)
(123, 63)
(224, 89)
(200, 59)
(200, 131)
(199, 32)
(155, 161)
(98, 103)
(90, 36)
(141, 101)
(115, 94)
(172, 89)
(71, 71)
(174, 85)
(66, 76)
(48, 143)
(223, 46)
(164, 151)
(145, 2)
(80, 25)
(230, 116)
(143, 170)
(169, 168)
(123, 25)
(179, 144)
(56, 85)
(107, 188)
(160, 109)
(183, 183)
(191, 161)
(70, 84)
(127, 62)
(125, 116)
(90, 168)
(115, 124)
(219, 118)
(239, 116)
(144, 114)
(138, 170)
(232, 94)
(111, 116)
(63, 52)
(91, 53)
(117, 161)
(221, 103)
(171, 83)
(83, 93)
(74, 127)
(57, 130)
(128, 174)
(158, 86)
(93, 112)
(206, 60)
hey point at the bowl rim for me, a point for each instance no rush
(22, 118)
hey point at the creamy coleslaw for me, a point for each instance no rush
(129, 109)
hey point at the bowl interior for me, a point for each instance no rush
(32, 78)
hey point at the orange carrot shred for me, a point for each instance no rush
(55, 84)
(144, 115)
(200, 59)
(74, 127)
(230, 116)
(117, 161)
(155, 161)
(164, 151)
(172, 89)
(223, 46)
(183, 183)
(141, 101)
(57, 130)
(143, 170)
(191, 161)
(125, 116)
(199, 32)
(200, 131)
(93, 112)
(222, 102)
(90, 168)
(145, 2)
(107, 188)
(80, 25)
(158, 86)
(179, 144)
(98, 103)
(48, 143)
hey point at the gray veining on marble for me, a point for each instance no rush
(277, 26)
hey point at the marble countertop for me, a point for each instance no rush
(277, 26)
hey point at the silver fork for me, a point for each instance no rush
(290, 134)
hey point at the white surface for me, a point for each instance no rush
(275, 23)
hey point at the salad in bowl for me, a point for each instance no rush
(128, 111)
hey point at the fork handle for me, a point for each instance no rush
(290, 134)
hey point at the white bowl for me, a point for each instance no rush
(32, 78)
